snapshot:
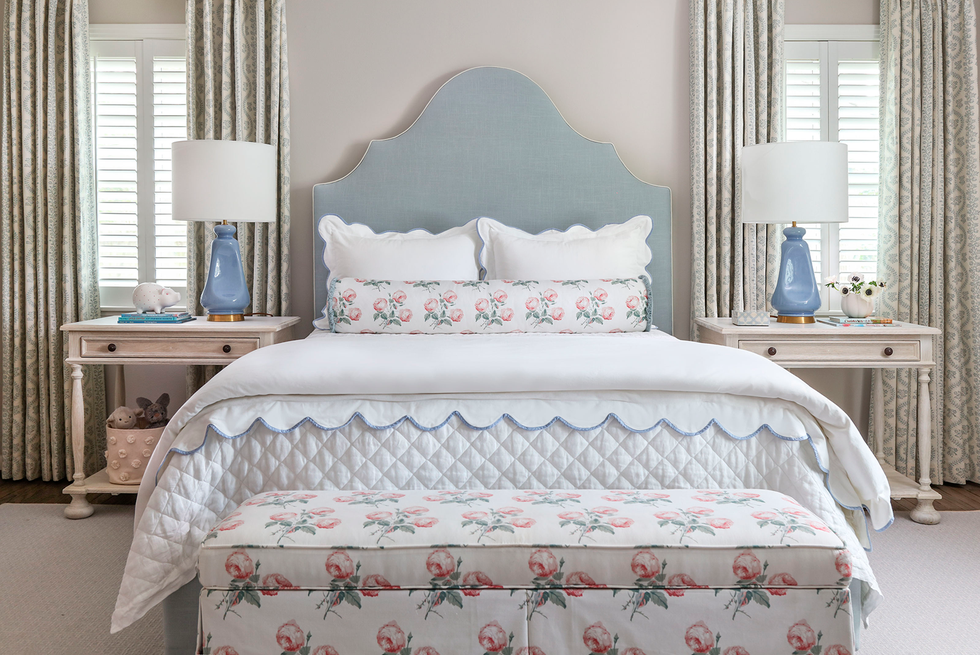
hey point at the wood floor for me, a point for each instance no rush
(37, 491)
(956, 498)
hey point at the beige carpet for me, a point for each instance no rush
(930, 576)
(61, 577)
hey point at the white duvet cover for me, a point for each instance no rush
(517, 410)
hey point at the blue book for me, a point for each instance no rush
(165, 317)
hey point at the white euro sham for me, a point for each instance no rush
(615, 251)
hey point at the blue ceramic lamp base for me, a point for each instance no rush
(797, 295)
(225, 295)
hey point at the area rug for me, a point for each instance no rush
(61, 578)
(930, 577)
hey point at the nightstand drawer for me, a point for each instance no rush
(176, 348)
(816, 350)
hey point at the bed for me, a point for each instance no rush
(558, 411)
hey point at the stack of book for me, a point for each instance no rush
(149, 317)
(846, 321)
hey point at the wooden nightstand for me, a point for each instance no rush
(106, 341)
(817, 345)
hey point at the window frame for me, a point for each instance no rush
(829, 44)
(144, 42)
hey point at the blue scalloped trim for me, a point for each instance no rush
(558, 419)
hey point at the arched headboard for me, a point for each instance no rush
(492, 143)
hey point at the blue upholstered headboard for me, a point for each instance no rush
(491, 143)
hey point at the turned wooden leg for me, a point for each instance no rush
(924, 512)
(79, 508)
(879, 416)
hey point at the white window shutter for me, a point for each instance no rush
(115, 109)
(169, 125)
(140, 109)
(857, 126)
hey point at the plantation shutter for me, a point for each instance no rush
(857, 126)
(169, 125)
(115, 75)
(140, 109)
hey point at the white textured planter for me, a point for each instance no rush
(127, 453)
(857, 306)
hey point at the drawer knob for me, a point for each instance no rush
(111, 347)
(771, 351)
(227, 349)
(888, 351)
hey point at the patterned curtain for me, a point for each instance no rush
(929, 225)
(48, 236)
(736, 100)
(238, 89)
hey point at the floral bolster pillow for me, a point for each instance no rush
(488, 306)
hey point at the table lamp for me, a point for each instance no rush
(800, 181)
(224, 181)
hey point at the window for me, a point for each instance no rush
(832, 95)
(140, 108)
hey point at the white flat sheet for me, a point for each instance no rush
(584, 381)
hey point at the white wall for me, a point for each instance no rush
(832, 12)
(136, 11)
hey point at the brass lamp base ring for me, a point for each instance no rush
(226, 318)
(795, 319)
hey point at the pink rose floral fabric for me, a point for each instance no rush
(488, 306)
(323, 572)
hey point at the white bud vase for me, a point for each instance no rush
(857, 306)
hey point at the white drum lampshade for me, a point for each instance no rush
(224, 181)
(801, 181)
(798, 181)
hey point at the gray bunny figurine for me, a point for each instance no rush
(155, 414)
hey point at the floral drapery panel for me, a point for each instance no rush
(929, 225)
(238, 89)
(736, 100)
(48, 235)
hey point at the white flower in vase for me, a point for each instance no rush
(857, 294)
(870, 292)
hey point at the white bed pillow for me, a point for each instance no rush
(354, 250)
(615, 251)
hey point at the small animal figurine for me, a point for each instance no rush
(149, 297)
(123, 418)
(155, 413)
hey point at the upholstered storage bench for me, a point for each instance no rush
(524, 573)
